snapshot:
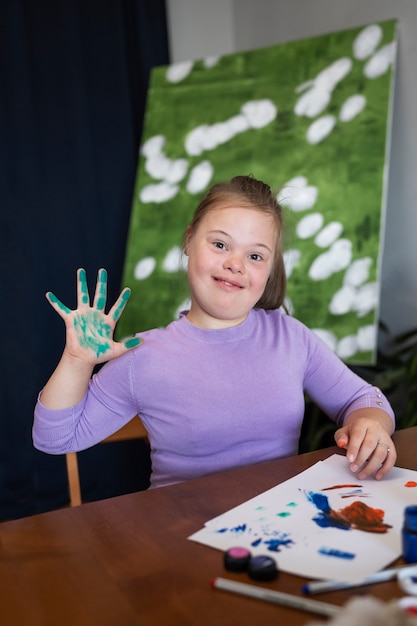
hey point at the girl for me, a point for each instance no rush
(224, 385)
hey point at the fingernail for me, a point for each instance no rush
(132, 343)
(354, 468)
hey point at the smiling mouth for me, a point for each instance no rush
(228, 283)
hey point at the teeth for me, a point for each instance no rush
(226, 282)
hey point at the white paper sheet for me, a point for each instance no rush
(289, 522)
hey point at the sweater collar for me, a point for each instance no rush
(218, 335)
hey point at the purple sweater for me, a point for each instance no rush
(211, 399)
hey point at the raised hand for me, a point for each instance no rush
(89, 328)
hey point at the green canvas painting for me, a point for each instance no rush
(312, 119)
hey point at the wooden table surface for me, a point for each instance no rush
(126, 561)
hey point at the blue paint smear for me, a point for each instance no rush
(337, 553)
(275, 545)
(319, 500)
(237, 529)
(325, 519)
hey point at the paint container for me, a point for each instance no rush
(236, 559)
(409, 534)
(262, 568)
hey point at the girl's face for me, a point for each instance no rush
(231, 254)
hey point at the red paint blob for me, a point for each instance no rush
(363, 517)
(411, 483)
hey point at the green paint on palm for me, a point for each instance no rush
(53, 299)
(93, 333)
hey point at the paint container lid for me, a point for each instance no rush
(407, 580)
(236, 559)
(262, 568)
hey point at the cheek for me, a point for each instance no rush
(262, 278)
(197, 265)
(200, 259)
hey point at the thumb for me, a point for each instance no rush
(341, 437)
(133, 342)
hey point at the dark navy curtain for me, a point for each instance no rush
(73, 82)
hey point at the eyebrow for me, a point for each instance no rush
(225, 234)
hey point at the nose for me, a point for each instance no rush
(235, 264)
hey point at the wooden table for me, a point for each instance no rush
(126, 561)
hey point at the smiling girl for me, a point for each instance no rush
(224, 385)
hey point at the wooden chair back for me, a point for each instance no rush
(132, 430)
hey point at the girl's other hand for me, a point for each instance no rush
(370, 451)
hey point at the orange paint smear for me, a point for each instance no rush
(411, 483)
(362, 517)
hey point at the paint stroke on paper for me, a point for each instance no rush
(340, 554)
(348, 486)
(354, 491)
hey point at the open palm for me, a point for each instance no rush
(89, 328)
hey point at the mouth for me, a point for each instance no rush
(228, 283)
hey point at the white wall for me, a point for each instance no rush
(200, 28)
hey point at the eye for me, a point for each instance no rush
(219, 244)
(255, 257)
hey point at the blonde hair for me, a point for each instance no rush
(247, 192)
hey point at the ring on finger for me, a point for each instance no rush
(384, 445)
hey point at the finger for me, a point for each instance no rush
(380, 462)
(100, 295)
(359, 451)
(59, 307)
(341, 438)
(118, 308)
(82, 288)
(373, 463)
(388, 464)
